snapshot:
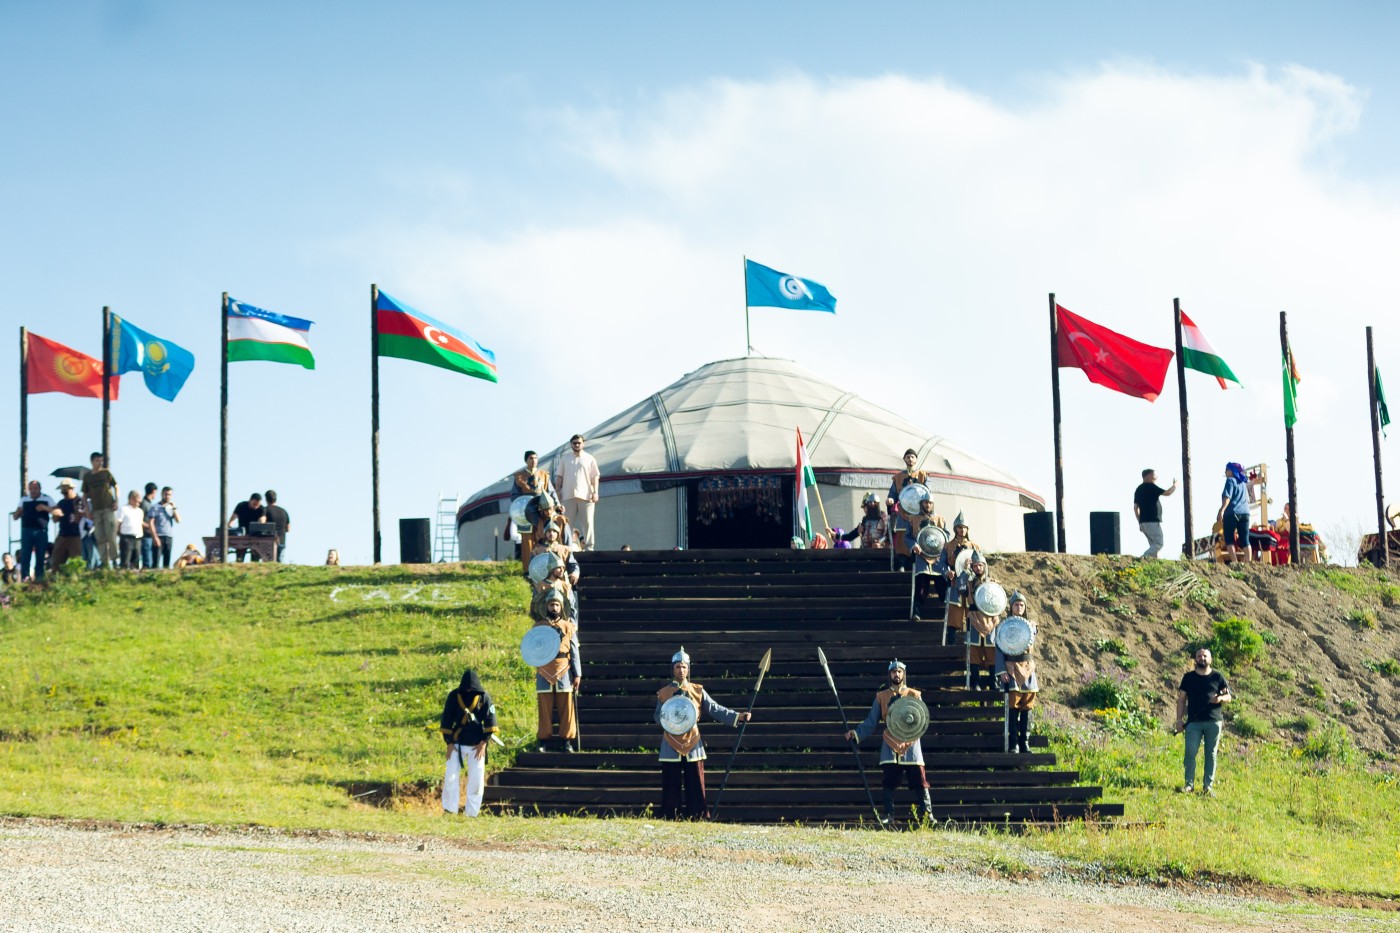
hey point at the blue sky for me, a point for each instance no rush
(577, 181)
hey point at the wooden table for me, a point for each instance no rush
(264, 547)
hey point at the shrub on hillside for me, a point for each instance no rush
(1250, 726)
(1235, 643)
(1330, 743)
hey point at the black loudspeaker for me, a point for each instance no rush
(415, 541)
(1040, 531)
(1104, 537)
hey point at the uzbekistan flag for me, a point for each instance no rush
(801, 512)
(255, 334)
(409, 334)
(1198, 354)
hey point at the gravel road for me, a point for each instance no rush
(58, 877)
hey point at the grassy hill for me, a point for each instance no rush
(276, 695)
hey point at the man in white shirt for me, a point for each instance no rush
(576, 479)
(33, 513)
(131, 528)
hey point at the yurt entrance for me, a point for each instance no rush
(743, 511)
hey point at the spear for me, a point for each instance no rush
(762, 670)
(855, 747)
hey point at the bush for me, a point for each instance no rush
(1386, 668)
(1107, 690)
(1110, 645)
(1331, 743)
(1390, 595)
(1236, 643)
(1362, 618)
(1305, 722)
(1249, 726)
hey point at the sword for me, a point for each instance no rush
(762, 670)
(860, 766)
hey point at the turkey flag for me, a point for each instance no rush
(1110, 359)
(56, 368)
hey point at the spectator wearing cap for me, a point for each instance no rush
(33, 515)
(68, 514)
(1234, 513)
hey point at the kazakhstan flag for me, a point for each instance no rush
(769, 288)
(165, 365)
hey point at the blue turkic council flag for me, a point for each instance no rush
(769, 288)
(164, 365)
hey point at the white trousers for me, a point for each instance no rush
(579, 512)
(452, 780)
(1153, 532)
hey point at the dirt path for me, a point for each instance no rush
(62, 877)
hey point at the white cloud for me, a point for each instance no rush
(941, 219)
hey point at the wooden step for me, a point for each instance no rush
(760, 736)
(986, 703)
(956, 814)
(783, 797)
(752, 760)
(565, 777)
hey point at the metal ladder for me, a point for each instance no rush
(445, 531)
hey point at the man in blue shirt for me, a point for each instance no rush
(163, 517)
(1234, 513)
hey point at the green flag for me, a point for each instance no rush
(1290, 387)
(1380, 402)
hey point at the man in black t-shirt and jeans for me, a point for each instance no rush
(279, 517)
(245, 515)
(1147, 506)
(1199, 708)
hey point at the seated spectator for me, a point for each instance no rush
(332, 558)
(9, 570)
(191, 557)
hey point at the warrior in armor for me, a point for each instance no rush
(897, 759)
(556, 681)
(1016, 675)
(563, 577)
(981, 648)
(683, 756)
(899, 524)
(948, 559)
(551, 512)
(923, 564)
(872, 530)
(529, 480)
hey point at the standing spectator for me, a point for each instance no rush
(101, 492)
(89, 540)
(33, 515)
(279, 517)
(576, 478)
(164, 517)
(1198, 708)
(148, 540)
(1234, 514)
(245, 514)
(1147, 506)
(131, 529)
(68, 514)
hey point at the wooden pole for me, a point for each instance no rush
(748, 339)
(1187, 549)
(1055, 405)
(374, 414)
(23, 410)
(1381, 538)
(1293, 555)
(223, 428)
(106, 387)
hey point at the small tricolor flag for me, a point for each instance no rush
(1198, 354)
(255, 334)
(1290, 387)
(409, 334)
(806, 479)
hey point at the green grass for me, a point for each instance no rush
(260, 695)
(269, 695)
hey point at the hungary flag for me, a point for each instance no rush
(409, 334)
(1198, 354)
(801, 513)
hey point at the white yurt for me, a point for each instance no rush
(709, 462)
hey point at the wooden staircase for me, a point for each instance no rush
(727, 608)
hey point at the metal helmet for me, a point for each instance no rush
(1016, 597)
(680, 657)
(870, 499)
(977, 558)
(959, 521)
(896, 665)
(554, 595)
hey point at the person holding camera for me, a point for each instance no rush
(1200, 704)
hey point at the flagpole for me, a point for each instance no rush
(1188, 549)
(1288, 433)
(223, 428)
(1382, 539)
(1055, 405)
(374, 412)
(748, 340)
(106, 386)
(23, 410)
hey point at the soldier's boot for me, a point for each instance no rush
(1023, 721)
(889, 804)
(925, 805)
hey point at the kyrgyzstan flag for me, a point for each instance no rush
(56, 368)
(1110, 359)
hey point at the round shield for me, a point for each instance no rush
(518, 514)
(907, 719)
(540, 645)
(910, 497)
(542, 565)
(678, 714)
(1013, 636)
(961, 562)
(533, 514)
(990, 599)
(931, 539)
